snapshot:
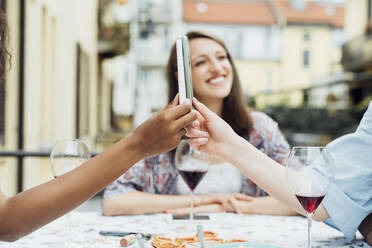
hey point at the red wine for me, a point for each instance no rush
(192, 178)
(310, 203)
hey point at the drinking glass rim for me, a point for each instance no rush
(308, 147)
(61, 141)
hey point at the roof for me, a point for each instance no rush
(261, 12)
(314, 13)
(229, 12)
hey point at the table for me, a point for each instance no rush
(83, 227)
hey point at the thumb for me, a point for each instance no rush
(234, 204)
(203, 110)
(174, 102)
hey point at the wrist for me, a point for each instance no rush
(133, 146)
(203, 200)
(198, 200)
(233, 148)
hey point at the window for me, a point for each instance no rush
(306, 59)
(306, 36)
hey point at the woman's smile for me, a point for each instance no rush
(216, 79)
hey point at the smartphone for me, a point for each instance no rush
(187, 217)
(184, 69)
(187, 65)
(181, 72)
(146, 236)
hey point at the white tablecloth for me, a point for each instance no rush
(83, 227)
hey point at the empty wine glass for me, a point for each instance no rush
(309, 172)
(192, 165)
(66, 155)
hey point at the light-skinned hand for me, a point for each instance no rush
(215, 203)
(221, 135)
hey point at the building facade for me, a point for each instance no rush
(280, 47)
(52, 90)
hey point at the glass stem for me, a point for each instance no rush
(309, 222)
(192, 207)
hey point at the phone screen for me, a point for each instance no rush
(187, 67)
(186, 217)
(181, 71)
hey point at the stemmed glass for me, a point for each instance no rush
(66, 155)
(192, 165)
(309, 172)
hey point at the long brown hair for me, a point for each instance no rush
(4, 54)
(234, 110)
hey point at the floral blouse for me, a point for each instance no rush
(158, 175)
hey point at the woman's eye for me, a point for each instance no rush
(222, 57)
(199, 62)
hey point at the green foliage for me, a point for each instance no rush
(118, 36)
(315, 120)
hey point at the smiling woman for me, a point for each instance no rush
(152, 184)
(215, 80)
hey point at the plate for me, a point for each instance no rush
(246, 245)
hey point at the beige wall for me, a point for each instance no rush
(258, 76)
(264, 78)
(53, 28)
(289, 72)
(294, 74)
(355, 18)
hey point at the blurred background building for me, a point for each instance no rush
(52, 89)
(95, 69)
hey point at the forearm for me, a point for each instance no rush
(138, 202)
(27, 211)
(266, 173)
(265, 205)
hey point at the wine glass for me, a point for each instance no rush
(309, 172)
(66, 155)
(192, 165)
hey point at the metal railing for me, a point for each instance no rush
(20, 155)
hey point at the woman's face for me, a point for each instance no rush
(211, 70)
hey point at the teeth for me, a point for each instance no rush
(217, 80)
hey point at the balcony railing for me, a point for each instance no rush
(20, 155)
(357, 54)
